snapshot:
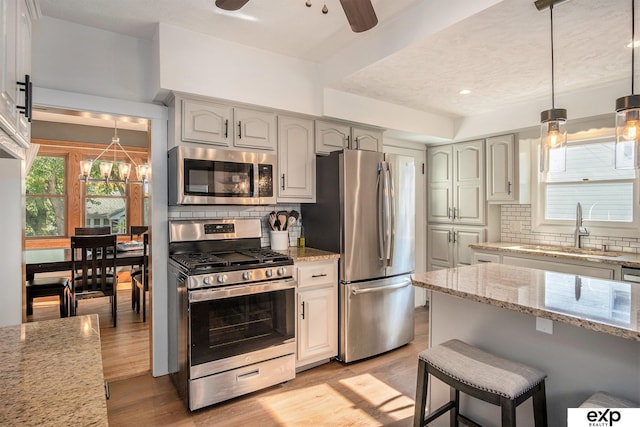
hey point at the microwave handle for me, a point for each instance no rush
(256, 180)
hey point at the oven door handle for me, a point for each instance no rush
(201, 295)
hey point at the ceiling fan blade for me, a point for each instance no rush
(360, 14)
(231, 4)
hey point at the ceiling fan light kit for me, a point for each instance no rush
(359, 13)
(628, 114)
(553, 133)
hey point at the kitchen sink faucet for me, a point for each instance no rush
(580, 229)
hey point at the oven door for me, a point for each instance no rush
(207, 176)
(237, 325)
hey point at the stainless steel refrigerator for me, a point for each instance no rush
(365, 211)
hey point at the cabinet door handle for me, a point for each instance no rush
(449, 213)
(302, 304)
(449, 236)
(454, 212)
(26, 109)
(283, 181)
(239, 129)
(455, 236)
(226, 128)
(508, 187)
(319, 275)
(348, 142)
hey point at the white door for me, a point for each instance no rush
(418, 153)
(469, 205)
(296, 159)
(440, 241)
(440, 171)
(255, 129)
(465, 236)
(206, 122)
(331, 136)
(318, 323)
(366, 139)
(500, 169)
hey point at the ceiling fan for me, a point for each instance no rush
(360, 13)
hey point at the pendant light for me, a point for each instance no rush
(553, 134)
(628, 112)
(105, 166)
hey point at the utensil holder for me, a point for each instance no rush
(279, 240)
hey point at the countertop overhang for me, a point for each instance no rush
(606, 306)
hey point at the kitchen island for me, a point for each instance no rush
(51, 373)
(582, 331)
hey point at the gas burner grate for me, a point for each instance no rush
(265, 255)
(200, 260)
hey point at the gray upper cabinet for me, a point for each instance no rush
(206, 122)
(334, 136)
(296, 160)
(331, 136)
(15, 65)
(366, 139)
(501, 169)
(456, 189)
(223, 125)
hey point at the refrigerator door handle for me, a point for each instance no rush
(392, 210)
(381, 289)
(380, 195)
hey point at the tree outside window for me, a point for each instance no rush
(45, 197)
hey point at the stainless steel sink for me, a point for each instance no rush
(565, 249)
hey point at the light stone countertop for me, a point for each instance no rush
(592, 255)
(607, 306)
(51, 373)
(307, 254)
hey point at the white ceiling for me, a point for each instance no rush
(501, 54)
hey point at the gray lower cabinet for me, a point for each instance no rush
(449, 245)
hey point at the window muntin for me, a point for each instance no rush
(46, 197)
(589, 176)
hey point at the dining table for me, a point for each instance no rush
(59, 259)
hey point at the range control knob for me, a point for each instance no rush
(246, 275)
(281, 271)
(222, 278)
(208, 280)
(269, 273)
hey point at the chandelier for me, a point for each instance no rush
(106, 166)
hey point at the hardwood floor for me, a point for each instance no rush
(125, 349)
(374, 392)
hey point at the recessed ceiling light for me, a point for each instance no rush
(635, 44)
(465, 92)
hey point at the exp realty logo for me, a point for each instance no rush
(603, 417)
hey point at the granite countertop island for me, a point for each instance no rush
(583, 332)
(51, 373)
(600, 305)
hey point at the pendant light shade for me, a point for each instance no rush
(553, 134)
(628, 114)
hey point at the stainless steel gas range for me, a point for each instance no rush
(232, 311)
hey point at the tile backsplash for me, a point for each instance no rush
(515, 226)
(241, 212)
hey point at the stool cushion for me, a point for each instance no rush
(482, 370)
(605, 400)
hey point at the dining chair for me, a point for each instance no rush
(93, 270)
(92, 231)
(137, 231)
(140, 280)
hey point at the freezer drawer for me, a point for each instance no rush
(376, 316)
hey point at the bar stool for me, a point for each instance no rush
(606, 400)
(46, 287)
(482, 375)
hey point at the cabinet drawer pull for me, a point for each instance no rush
(319, 275)
(226, 128)
(283, 181)
(239, 129)
(302, 310)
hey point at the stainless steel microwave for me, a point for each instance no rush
(206, 176)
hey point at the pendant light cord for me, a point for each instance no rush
(553, 94)
(633, 43)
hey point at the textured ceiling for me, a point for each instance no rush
(501, 54)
